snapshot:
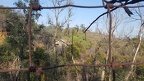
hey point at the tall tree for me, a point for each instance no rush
(59, 22)
(140, 34)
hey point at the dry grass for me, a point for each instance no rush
(2, 37)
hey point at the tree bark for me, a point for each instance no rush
(138, 44)
(135, 55)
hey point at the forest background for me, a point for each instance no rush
(58, 42)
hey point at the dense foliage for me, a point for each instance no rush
(70, 46)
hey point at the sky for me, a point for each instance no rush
(80, 16)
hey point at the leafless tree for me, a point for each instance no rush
(58, 22)
(140, 34)
(114, 22)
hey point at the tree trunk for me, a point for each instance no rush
(103, 74)
(84, 74)
(135, 55)
(104, 68)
